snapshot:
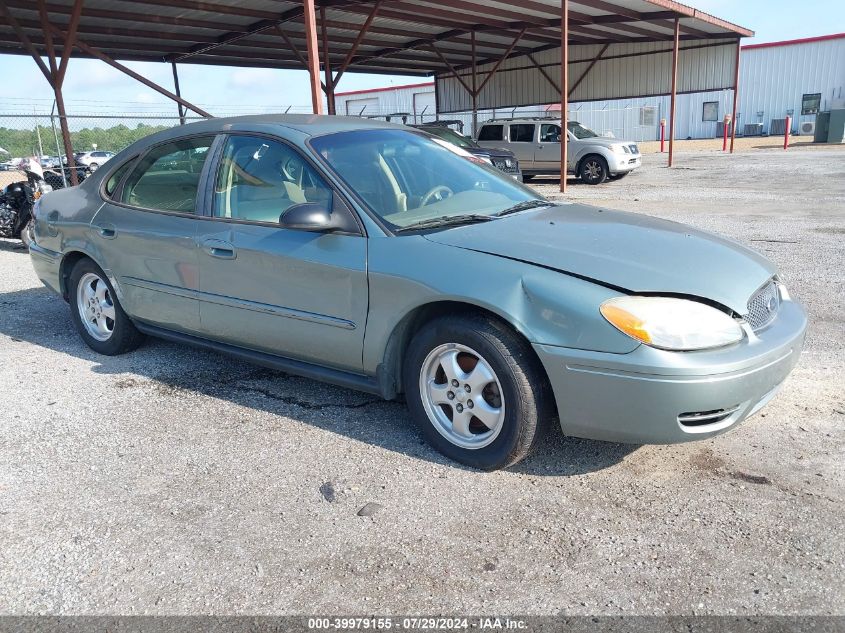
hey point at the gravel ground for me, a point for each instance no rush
(178, 481)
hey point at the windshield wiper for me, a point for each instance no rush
(522, 206)
(446, 220)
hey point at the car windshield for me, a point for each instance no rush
(579, 131)
(450, 135)
(408, 178)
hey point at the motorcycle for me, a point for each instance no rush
(16, 203)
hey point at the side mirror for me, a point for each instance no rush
(309, 216)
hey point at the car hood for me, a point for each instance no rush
(493, 152)
(604, 141)
(629, 251)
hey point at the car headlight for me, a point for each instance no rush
(621, 149)
(670, 323)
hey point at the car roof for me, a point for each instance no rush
(308, 124)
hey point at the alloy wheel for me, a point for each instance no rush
(462, 396)
(95, 306)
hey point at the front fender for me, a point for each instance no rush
(547, 307)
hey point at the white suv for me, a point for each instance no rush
(536, 143)
(93, 160)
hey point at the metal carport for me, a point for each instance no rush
(481, 52)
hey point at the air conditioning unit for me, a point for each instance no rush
(777, 127)
(808, 128)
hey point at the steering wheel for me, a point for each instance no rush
(444, 192)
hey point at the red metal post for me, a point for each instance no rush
(310, 18)
(735, 117)
(725, 124)
(474, 89)
(564, 93)
(662, 135)
(674, 90)
(786, 132)
(327, 65)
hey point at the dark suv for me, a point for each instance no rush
(501, 159)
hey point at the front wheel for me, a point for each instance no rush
(476, 391)
(593, 170)
(97, 314)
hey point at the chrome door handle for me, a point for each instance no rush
(219, 249)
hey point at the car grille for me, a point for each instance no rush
(502, 164)
(763, 306)
(705, 418)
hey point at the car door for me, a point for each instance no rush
(145, 233)
(293, 293)
(547, 153)
(522, 141)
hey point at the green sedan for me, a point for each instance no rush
(370, 256)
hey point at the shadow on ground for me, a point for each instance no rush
(37, 316)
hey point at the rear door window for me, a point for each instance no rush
(521, 132)
(491, 133)
(167, 177)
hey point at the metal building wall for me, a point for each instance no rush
(626, 70)
(417, 100)
(773, 79)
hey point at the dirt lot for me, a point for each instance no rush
(178, 481)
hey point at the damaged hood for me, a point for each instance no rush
(630, 251)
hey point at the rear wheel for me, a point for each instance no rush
(93, 167)
(475, 389)
(593, 170)
(97, 314)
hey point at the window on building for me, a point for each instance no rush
(521, 132)
(710, 111)
(811, 103)
(491, 133)
(648, 116)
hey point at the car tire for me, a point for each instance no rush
(619, 176)
(93, 167)
(506, 383)
(97, 313)
(527, 177)
(593, 170)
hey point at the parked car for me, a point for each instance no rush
(371, 256)
(50, 162)
(93, 160)
(502, 159)
(536, 143)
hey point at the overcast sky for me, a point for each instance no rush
(91, 85)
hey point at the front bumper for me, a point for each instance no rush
(651, 396)
(623, 163)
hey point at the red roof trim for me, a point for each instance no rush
(804, 40)
(361, 92)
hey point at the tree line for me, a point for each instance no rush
(23, 142)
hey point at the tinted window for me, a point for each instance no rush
(167, 177)
(521, 132)
(259, 179)
(491, 133)
(549, 133)
(117, 175)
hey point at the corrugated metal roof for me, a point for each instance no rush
(398, 41)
